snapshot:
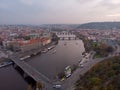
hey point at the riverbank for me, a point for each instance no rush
(5, 62)
(101, 48)
(51, 64)
(57, 59)
(42, 50)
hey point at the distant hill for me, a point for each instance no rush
(101, 25)
(102, 76)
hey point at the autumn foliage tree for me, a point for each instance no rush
(102, 76)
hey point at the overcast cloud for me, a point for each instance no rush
(58, 11)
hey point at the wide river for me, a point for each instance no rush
(50, 64)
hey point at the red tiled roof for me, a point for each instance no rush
(27, 42)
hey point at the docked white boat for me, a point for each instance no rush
(44, 51)
(23, 58)
(3, 64)
(51, 47)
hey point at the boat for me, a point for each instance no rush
(23, 58)
(50, 47)
(3, 64)
(44, 51)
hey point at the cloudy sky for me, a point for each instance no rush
(58, 11)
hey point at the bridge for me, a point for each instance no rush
(64, 35)
(29, 71)
(68, 38)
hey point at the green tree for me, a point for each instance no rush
(94, 81)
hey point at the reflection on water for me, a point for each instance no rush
(64, 54)
(53, 62)
(10, 79)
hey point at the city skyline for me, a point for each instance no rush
(58, 11)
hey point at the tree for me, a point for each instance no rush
(111, 87)
(29, 87)
(96, 88)
(102, 76)
(109, 49)
(94, 81)
(54, 37)
(39, 85)
(27, 37)
(61, 75)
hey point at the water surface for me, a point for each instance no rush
(50, 63)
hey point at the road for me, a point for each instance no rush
(118, 49)
(69, 83)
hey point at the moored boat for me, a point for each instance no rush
(3, 64)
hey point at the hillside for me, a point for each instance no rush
(100, 25)
(102, 76)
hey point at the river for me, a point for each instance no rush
(10, 79)
(50, 64)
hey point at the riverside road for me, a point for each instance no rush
(70, 82)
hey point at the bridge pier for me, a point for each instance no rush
(18, 69)
(14, 65)
(31, 75)
(68, 38)
(25, 75)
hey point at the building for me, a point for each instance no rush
(26, 45)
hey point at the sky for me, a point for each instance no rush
(58, 11)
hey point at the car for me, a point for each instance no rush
(68, 75)
(81, 66)
(57, 86)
